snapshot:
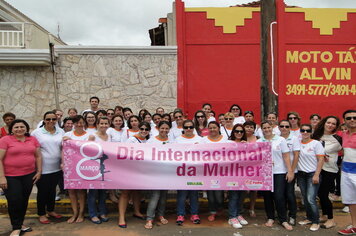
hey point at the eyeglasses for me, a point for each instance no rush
(350, 118)
(235, 109)
(305, 130)
(284, 126)
(293, 118)
(188, 127)
(239, 131)
(178, 117)
(228, 118)
(51, 119)
(144, 129)
(199, 117)
(110, 113)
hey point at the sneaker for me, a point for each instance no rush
(314, 227)
(58, 198)
(305, 222)
(242, 220)
(195, 219)
(235, 223)
(180, 220)
(348, 231)
(292, 221)
(346, 209)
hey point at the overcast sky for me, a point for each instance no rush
(121, 22)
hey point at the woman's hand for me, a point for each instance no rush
(65, 138)
(315, 179)
(290, 176)
(36, 177)
(3, 182)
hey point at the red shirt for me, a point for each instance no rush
(3, 132)
(20, 156)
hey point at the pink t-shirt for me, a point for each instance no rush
(20, 156)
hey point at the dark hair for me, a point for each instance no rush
(94, 97)
(55, 110)
(143, 111)
(8, 114)
(308, 125)
(212, 112)
(110, 109)
(44, 116)
(232, 136)
(221, 114)
(266, 122)
(207, 104)
(126, 109)
(72, 109)
(100, 111)
(159, 108)
(145, 114)
(86, 115)
(284, 121)
(272, 113)
(156, 114)
(235, 105)
(185, 122)
(312, 115)
(196, 122)
(102, 118)
(162, 122)
(129, 120)
(215, 123)
(250, 123)
(176, 112)
(167, 115)
(144, 123)
(249, 112)
(113, 118)
(77, 118)
(320, 127)
(27, 134)
(118, 108)
(347, 112)
(65, 120)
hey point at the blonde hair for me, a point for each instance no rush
(229, 115)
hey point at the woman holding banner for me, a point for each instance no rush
(77, 195)
(236, 220)
(96, 217)
(142, 137)
(188, 136)
(282, 173)
(158, 197)
(215, 198)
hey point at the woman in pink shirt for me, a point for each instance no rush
(20, 168)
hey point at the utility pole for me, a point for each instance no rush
(269, 101)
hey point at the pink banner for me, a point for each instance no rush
(221, 166)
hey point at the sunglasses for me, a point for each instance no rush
(199, 117)
(293, 118)
(239, 131)
(188, 127)
(284, 126)
(228, 118)
(178, 117)
(110, 113)
(305, 130)
(350, 118)
(144, 129)
(51, 119)
(235, 109)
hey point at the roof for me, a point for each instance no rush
(257, 4)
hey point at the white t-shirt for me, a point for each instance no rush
(239, 120)
(211, 118)
(176, 132)
(154, 131)
(279, 146)
(309, 154)
(222, 139)
(225, 132)
(72, 135)
(296, 133)
(91, 130)
(156, 139)
(293, 145)
(51, 149)
(116, 135)
(136, 139)
(332, 147)
(41, 123)
(195, 139)
(128, 133)
(98, 139)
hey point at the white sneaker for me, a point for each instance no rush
(235, 223)
(346, 209)
(314, 227)
(58, 198)
(242, 220)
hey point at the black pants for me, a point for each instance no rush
(291, 199)
(277, 199)
(61, 183)
(326, 184)
(46, 195)
(17, 194)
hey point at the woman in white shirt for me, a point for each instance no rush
(236, 110)
(311, 160)
(90, 122)
(282, 173)
(177, 131)
(50, 139)
(116, 130)
(77, 195)
(201, 123)
(158, 197)
(228, 125)
(188, 136)
(141, 137)
(132, 128)
(325, 132)
(97, 197)
(294, 120)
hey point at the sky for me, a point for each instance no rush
(122, 22)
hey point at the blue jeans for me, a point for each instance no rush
(193, 201)
(291, 199)
(234, 205)
(93, 195)
(215, 200)
(157, 200)
(309, 193)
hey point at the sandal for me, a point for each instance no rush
(252, 213)
(148, 224)
(287, 226)
(163, 220)
(269, 223)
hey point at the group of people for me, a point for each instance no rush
(304, 154)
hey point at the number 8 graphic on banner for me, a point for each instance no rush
(88, 158)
